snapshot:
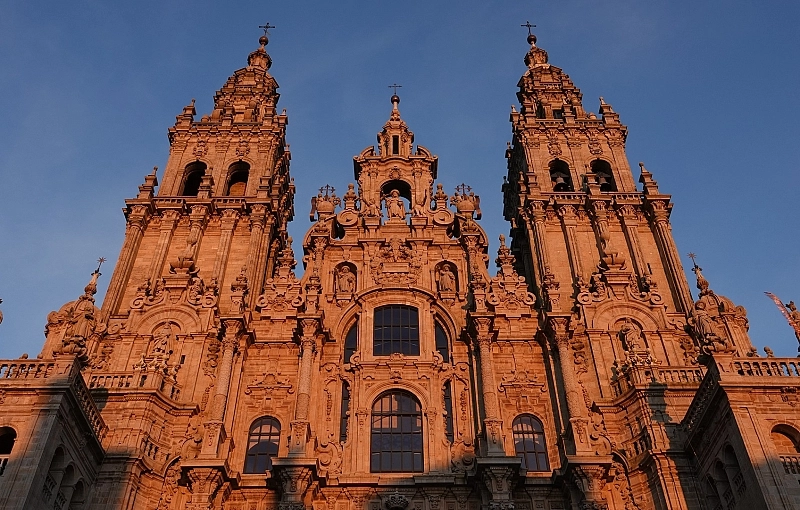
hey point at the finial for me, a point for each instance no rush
(264, 40)
(531, 37)
(155, 168)
(395, 97)
(103, 259)
(702, 283)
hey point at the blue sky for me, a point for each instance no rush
(707, 89)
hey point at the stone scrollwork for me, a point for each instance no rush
(396, 264)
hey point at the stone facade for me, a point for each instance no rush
(397, 372)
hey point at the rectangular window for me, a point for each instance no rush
(448, 410)
(345, 412)
(395, 330)
(395, 144)
(558, 114)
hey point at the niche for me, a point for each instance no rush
(237, 179)
(191, 178)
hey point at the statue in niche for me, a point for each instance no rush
(345, 280)
(395, 207)
(631, 335)
(447, 280)
(162, 339)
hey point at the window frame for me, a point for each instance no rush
(401, 444)
(388, 332)
(272, 438)
(522, 437)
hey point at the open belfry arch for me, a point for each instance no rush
(398, 372)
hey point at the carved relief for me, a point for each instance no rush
(395, 264)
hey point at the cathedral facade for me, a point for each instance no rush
(397, 372)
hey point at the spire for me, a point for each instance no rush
(395, 101)
(702, 283)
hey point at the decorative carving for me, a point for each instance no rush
(396, 501)
(508, 291)
(467, 203)
(282, 293)
(396, 264)
(323, 206)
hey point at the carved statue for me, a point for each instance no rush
(345, 280)
(631, 335)
(196, 290)
(395, 207)
(162, 339)
(369, 208)
(447, 280)
(419, 205)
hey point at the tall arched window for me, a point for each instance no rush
(262, 445)
(351, 343)
(396, 434)
(395, 329)
(529, 443)
(191, 179)
(237, 179)
(7, 438)
(442, 342)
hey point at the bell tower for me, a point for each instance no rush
(163, 354)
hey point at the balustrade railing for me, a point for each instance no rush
(791, 464)
(18, 369)
(769, 367)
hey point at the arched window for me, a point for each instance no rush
(395, 330)
(345, 412)
(529, 443)
(785, 439)
(351, 343)
(560, 176)
(262, 445)
(396, 434)
(442, 342)
(191, 179)
(605, 178)
(237, 179)
(7, 438)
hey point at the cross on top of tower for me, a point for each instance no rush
(395, 87)
(694, 262)
(531, 37)
(266, 27)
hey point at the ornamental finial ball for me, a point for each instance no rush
(395, 99)
(531, 39)
(263, 40)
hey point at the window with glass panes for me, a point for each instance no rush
(396, 434)
(529, 443)
(395, 330)
(262, 445)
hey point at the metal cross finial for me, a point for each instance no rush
(395, 87)
(693, 256)
(100, 263)
(327, 189)
(529, 26)
(266, 27)
(463, 188)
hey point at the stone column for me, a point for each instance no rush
(300, 425)
(631, 227)
(169, 219)
(660, 220)
(493, 424)
(134, 231)
(233, 328)
(568, 217)
(227, 224)
(257, 221)
(539, 237)
(575, 405)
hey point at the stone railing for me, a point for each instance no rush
(645, 375)
(116, 381)
(22, 369)
(89, 408)
(111, 380)
(791, 464)
(768, 367)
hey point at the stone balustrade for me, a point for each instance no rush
(766, 367)
(646, 375)
(23, 369)
(111, 380)
(791, 464)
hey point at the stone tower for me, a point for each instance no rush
(397, 372)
